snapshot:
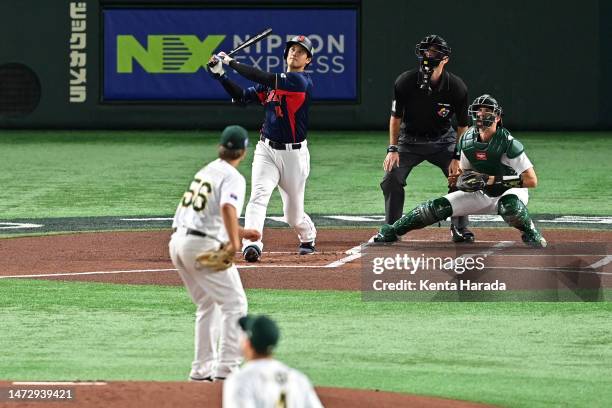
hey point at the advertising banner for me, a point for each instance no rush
(161, 54)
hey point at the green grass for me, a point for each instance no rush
(92, 173)
(511, 354)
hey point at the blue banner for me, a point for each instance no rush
(160, 54)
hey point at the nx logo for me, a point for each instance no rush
(165, 53)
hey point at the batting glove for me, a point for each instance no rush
(216, 67)
(226, 59)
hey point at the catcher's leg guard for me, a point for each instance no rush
(386, 234)
(423, 215)
(515, 213)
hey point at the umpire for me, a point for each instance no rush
(425, 100)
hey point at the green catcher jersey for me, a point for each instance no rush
(486, 157)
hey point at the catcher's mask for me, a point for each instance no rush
(430, 51)
(301, 40)
(487, 119)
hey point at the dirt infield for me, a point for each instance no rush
(184, 394)
(142, 258)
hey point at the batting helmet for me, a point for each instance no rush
(433, 41)
(301, 40)
(485, 101)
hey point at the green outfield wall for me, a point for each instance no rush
(549, 63)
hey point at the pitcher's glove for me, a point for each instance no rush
(218, 260)
(471, 181)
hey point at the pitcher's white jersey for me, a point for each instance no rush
(268, 383)
(213, 186)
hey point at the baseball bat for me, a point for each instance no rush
(249, 42)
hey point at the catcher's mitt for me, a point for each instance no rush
(218, 260)
(471, 181)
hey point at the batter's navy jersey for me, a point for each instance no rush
(286, 106)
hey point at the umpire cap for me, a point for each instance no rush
(301, 40)
(234, 138)
(261, 331)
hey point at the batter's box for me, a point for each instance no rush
(289, 259)
(502, 271)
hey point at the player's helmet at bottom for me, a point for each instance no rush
(301, 40)
(491, 104)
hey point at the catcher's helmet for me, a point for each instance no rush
(485, 101)
(433, 41)
(301, 40)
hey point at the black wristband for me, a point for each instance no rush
(456, 154)
(392, 149)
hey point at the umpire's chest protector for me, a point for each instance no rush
(487, 157)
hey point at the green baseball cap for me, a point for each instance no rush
(262, 332)
(234, 138)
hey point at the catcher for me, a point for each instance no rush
(496, 174)
(207, 217)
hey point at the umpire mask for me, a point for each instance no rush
(430, 52)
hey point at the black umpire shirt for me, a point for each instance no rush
(426, 118)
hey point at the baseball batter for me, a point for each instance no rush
(206, 216)
(263, 381)
(496, 174)
(281, 156)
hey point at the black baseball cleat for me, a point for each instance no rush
(534, 239)
(306, 248)
(251, 253)
(461, 234)
(195, 378)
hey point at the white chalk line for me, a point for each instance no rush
(546, 255)
(278, 266)
(551, 268)
(353, 253)
(451, 243)
(601, 262)
(47, 275)
(50, 275)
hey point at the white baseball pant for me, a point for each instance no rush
(220, 301)
(289, 170)
(465, 203)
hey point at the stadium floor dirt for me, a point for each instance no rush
(185, 394)
(142, 258)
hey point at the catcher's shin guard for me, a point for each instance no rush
(423, 215)
(515, 213)
(386, 234)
